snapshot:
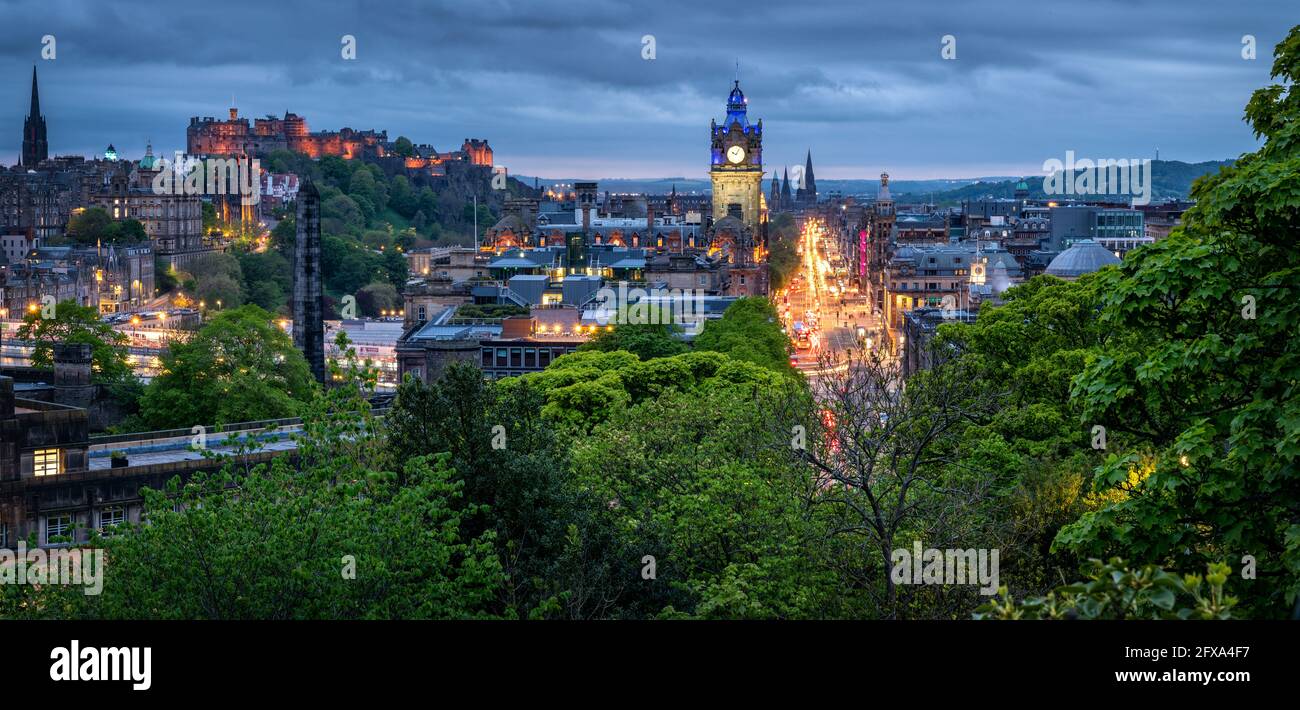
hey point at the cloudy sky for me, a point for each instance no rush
(560, 87)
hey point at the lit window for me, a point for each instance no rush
(46, 462)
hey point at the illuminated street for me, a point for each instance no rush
(822, 312)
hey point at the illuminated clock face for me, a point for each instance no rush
(735, 154)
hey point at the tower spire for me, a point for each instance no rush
(36, 97)
(809, 180)
(35, 146)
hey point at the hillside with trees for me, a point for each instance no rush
(1170, 180)
(368, 221)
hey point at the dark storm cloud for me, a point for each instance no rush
(561, 89)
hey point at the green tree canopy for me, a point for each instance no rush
(656, 337)
(749, 330)
(1203, 375)
(95, 226)
(78, 324)
(241, 366)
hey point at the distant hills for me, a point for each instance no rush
(1172, 179)
(684, 185)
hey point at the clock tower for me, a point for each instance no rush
(736, 165)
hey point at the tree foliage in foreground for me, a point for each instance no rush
(241, 366)
(78, 324)
(1114, 591)
(328, 535)
(1204, 373)
(749, 330)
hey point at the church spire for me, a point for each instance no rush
(36, 96)
(35, 146)
(807, 193)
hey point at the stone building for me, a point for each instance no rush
(919, 328)
(875, 245)
(736, 163)
(172, 219)
(39, 203)
(1160, 219)
(235, 136)
(500, 348)
(950, 277)
(124, 276)
(53, 273)
(57, 483)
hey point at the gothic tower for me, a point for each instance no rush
(736, 165)
(806, 195)
(308, 309)
(35, 146)
(786, 198)
(774, 199)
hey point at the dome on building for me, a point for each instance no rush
(1083, 257)
(148, 162)
(510, 222)
(737, 107)
(737, 97)
(729, 224)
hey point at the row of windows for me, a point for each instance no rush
(1125, 219)
(521, 358)
(929, 286)
(64, 526)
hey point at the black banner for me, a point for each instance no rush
(216, 659)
